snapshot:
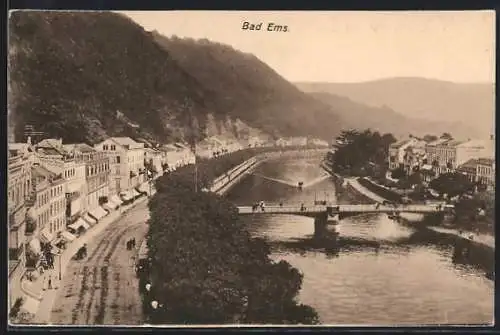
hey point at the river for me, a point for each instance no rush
(386, 276)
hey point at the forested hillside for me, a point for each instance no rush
(250, 90)
(85, 76)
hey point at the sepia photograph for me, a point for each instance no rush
(251, 168)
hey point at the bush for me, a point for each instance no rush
(205, 266)
(452, 184)
(383, 192)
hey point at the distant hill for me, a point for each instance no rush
(85, 76)
(356, 115)
(432, 100)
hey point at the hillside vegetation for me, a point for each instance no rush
(453, 104)
(85, 76)
(250, 90)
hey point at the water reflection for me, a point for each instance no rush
(377, 271)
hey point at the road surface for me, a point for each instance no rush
(103, 289)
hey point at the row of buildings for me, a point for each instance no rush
(57, 189)
(473, 158)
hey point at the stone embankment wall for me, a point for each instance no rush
(223, 183)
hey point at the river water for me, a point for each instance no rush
(386, 279)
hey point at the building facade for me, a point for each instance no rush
(486, 173)
(18, 193)
(447, 155)
(414, 156)
(126, 159)
(97, 171)
(397, 152)
(52, 155)
(50, 205)
(154, 160)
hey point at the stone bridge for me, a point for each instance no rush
(326, 213)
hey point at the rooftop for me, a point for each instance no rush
(399, 144)
(78, 147)
(471, 163)
(41, 171)
(485, 161)
(438, 142)
(126, 141)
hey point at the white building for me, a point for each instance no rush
(397, 152)
(447, 155)
(126, 163)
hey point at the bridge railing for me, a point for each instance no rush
(295, 208)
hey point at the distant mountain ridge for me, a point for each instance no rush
(86, 76)
(419, 98)
(356, 115)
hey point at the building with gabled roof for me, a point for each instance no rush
(126, 157)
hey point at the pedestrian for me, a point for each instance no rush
(50, 283)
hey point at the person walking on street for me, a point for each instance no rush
(50, 283)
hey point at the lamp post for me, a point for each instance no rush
(60, 265)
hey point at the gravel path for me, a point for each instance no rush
(103, 289)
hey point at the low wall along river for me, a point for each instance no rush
(381, 272)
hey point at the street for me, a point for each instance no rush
(103, 288)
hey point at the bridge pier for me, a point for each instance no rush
(321, 226)
(434, 218)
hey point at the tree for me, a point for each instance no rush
(452, 184)
(205, 266)
(398, 173)
(359, 153)
(430, 138)
(446, 136)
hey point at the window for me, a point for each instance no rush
(113, 147)
(118, 159)
(105, 147)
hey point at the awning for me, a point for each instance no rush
(30, 305)
(144, 188)
(89, 220)
(35, 246)
(76, 225)
(126, 196)
(66, 235)
(46, 236)
(116, 200)
(110, 205)
(98, 213)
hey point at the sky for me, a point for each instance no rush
(349, 46)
